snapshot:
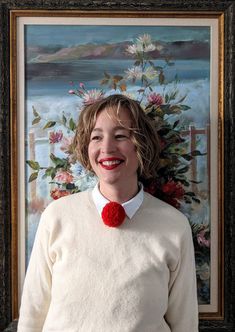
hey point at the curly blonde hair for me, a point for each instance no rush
(143, 134)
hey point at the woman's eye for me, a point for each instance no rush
(120, 136)
(95, 138)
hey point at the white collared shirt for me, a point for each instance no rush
(130, 206)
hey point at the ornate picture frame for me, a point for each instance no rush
(211, 321)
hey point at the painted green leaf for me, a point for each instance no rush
(137, 63)
(187, 157)
(190, 193)
(64, 120)
(183, 170)
(104, 81)
(117, 78)
(184, 107)
(176, 123)
(161, 78)
(197, 153)
(72, 124)
(196, 200)
(36, 120)
(197, 182)
(33, 176)
(35, 113)
(106, 75)
(53, 173)
(182, 99)
(49, 124)
(48, 171)
(33, 164)
(59, 162)
(158, 68)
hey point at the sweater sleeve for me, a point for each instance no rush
(182, 312)
(37, 285)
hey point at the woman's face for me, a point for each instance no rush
(112, 153)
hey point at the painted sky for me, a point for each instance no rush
(70, 35)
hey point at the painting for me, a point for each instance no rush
(167, 68)
(172, 68)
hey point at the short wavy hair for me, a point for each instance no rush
(143, 134)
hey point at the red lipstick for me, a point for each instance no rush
(110, 163)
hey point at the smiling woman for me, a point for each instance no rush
(113, 156)
(135, 271)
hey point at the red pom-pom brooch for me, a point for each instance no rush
(113, 214)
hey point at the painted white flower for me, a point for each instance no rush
(145, 43)
(135, 48)
(134, 73)
(149, 48)
(150, 73)
(144, 39)
(203, 271)
(159, 47)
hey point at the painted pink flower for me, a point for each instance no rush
(202, 240)
(66, 144)
(55, 136)
(72, 92)
(82, 85)
(92, 96)
(57, 193)
(64, 177)
(155, 99)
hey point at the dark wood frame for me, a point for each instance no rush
(8, 204)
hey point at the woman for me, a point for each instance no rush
(134, 270)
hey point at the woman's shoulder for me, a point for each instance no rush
(68, 203)
(166, 214)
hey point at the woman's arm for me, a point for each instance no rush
(182, 313)
(37, 286)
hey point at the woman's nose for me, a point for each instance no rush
(108, 145)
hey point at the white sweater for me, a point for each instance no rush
(86, 277)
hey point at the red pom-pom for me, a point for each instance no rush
(113, 214)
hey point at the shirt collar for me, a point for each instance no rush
(130, 206)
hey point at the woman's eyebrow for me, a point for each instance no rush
(114, 128)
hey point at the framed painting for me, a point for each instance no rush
(174, 63)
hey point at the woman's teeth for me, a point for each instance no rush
(110, 163)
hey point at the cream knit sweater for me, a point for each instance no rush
(86, 277)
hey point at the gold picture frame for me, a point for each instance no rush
(217, 314)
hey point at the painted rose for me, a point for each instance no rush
(173, 192)
(202, 239)
(64, 177)
(57, 193)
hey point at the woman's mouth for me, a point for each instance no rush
(110, 163)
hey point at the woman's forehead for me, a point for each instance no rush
(117, 114)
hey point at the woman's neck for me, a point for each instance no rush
(116, 194)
